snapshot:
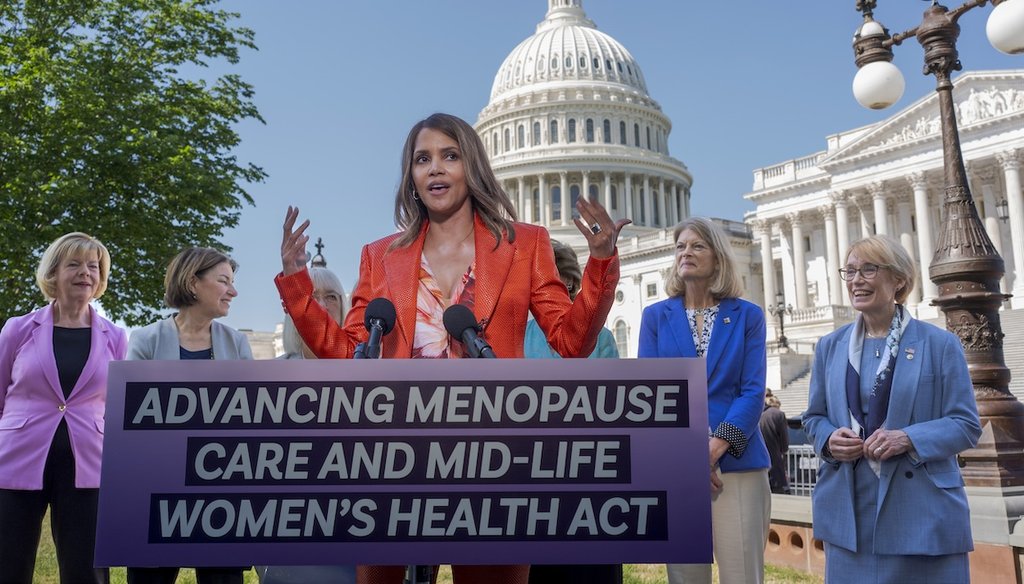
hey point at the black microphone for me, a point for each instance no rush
(379, 320)
(461, 324)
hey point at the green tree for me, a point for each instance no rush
(108, 125)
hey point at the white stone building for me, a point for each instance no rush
(569, 113)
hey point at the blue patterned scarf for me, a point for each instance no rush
(878, 403)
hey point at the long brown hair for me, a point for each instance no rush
(489, 200)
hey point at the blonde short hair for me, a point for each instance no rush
(889, 253)
(191, 263)
(725, 282)
(568, 264)
(71, 245)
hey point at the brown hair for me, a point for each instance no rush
(489, 200)
(71, 245)
(889, 253)
(725, 282)
(568, 265)
(191, 263)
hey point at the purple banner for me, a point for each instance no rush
(405, 461)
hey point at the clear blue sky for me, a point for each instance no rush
(746, 84)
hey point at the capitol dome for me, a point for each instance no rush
(567, 47)
(569, 113)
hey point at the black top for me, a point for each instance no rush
(186, 355)
(71, 351)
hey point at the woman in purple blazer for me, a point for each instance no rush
(53, 390)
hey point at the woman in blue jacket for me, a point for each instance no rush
(891, 405)
(704, 317)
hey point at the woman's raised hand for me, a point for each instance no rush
(293, 244)
(597, 226)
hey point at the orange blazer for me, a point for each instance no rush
(511, 281)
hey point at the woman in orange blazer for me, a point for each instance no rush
(458, 243)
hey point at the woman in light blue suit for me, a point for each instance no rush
(704, 317)
(891, 404)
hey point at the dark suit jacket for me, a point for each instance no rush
(511, 281)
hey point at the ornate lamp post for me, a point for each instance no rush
(966, 267)
(781, 309)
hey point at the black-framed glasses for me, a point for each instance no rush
(867, 271)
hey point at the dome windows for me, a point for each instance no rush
(568, 62)
(622, 133)
(597, 63)
(536, 134)
(590, 131)
(583, 62)
(553, 132)
(554, 63)
(572, 131)
(607, 131)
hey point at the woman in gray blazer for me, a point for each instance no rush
(200, 285)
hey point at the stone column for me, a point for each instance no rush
(986, 175)
(627, 198)
(877, 192)
(799, 261)
(836, 292)
(566, 199)
(1010, 163)
(862, 202)
(906, 230)
(842, 223)
(788, 269)
(676, 207)
(763, 230)
(544, 204)
(608, 194)
(648, 202)
(585, 187)
(925, 239)
(662, 204)
(522, 198)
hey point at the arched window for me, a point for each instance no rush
(607, 131)
(621, 333)
(553, 132)
(520, 136)
(648, 137)
(636, 135)
(656, 211)
(494, 142)
(594, 194)
(572, 131)
(554, 63)
(535, 205)
(574, 194)
(568, 62)
(536, 134)
(622, 133)
(507, 145)
(556, 203)
(615, 197)
(590, 131)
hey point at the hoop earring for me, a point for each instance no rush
(415, 196)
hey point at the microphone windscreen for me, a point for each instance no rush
(380, 309)
(457, 318)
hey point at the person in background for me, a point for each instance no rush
(53, 392)
(704, 317)
(458, 243)
(200, 285)
(536, 346)
(329, 293)
(890, 406)
(775, 431)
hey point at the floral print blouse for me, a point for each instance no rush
(431, 340)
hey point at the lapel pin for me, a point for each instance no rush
(726, 320)
(910, 354)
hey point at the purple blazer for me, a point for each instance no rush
(32, 403)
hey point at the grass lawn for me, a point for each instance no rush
(46, 571)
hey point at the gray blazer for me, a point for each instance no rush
(159, 341)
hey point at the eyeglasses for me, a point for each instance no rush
(327, 297)
(867, 271)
